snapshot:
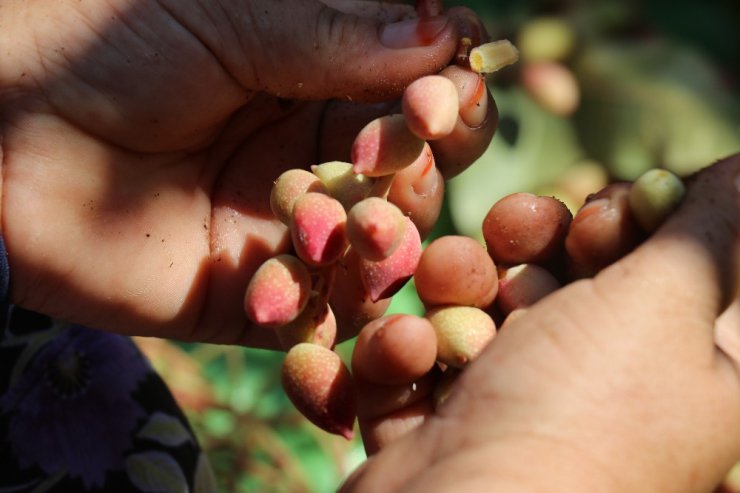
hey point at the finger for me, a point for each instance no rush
(376, 401)
(418, 190)
(727, 332)
(395, 350)
(350, 299)
(476, 123)
(689, 268)
(383, 473)
(387, 412)
(378, 433)
(469, 25)
(380, 11)
(392, 363)
(478, 117)
(602, 231)
(426, 8)
(243, 230)
(308, 50)
(342, 121)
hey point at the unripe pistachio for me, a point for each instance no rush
(653, 196)
(462, 333)
(384, 146)
(430, 106)
(546, 39)
(318, 229)
(350, 299)
(343, 183)
(553, 86)
(384, 278)
(288, 187)
(278, 291)
(316, 324)
(456, 270)
(524, 228)
(522, 286)
(375, 228)
(320, 387)
(394, 350)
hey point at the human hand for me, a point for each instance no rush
(139, 141)
(624, 382)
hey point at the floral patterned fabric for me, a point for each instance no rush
(82, 410)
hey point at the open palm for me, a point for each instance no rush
(140, 140)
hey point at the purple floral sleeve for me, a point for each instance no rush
(82, 410)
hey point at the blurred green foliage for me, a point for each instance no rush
(656, 81)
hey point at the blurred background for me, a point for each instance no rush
(604, 90)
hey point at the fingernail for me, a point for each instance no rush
(474, 107)
(413, 33)
(472, 94)
(429, 8)
(469, 26)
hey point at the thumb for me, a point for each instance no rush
(308, 50)
(689, 270)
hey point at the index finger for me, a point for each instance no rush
(476, 123)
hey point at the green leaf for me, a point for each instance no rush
(204, 482)
(156, 472)
(219, 423)
(653, 104)
(406, 301)
(165, 429)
